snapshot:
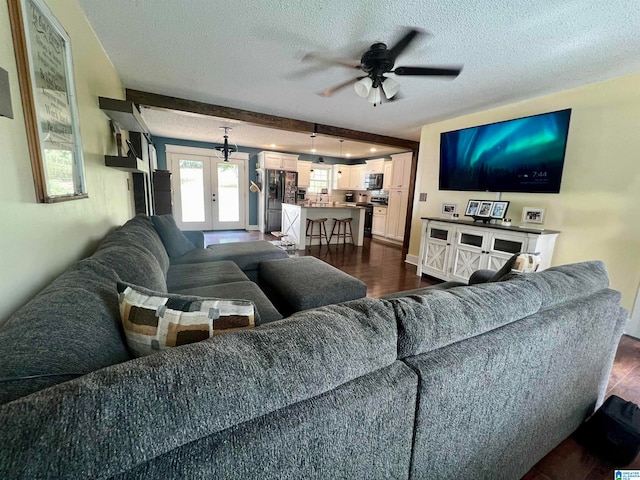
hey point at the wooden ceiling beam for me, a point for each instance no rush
(155, 100)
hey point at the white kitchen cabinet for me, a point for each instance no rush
(454, 249)
(356, 177)
(401, 170)
(278, 161)
(375, 166)
(304, 173)
(388, 172)
(397, 214)
(342, 177)
(379, 224)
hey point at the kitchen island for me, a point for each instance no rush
(294, 221)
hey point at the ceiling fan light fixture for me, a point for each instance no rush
(374, 96)
(363, 87)
(390, 87)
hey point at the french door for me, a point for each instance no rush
(209, 193)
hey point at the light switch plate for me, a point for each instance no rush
(5, 95)
(423, 197)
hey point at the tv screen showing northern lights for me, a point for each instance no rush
(521, 155)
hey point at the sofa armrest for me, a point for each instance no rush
(196, 237)
(481, 276)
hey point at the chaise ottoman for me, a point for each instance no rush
(246, 255)
(296, 284)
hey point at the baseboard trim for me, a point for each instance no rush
(412, 260)
(252, 228)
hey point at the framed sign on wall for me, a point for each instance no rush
(47, 87)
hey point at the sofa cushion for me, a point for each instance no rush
(265, 311)
(111, 420)
(180, 277)
(438, 318)
(154, 321)
(302, 283)
(69, 329)
(133, 265)
(565, 282)
(138, 233)
(247, 255)
(173, 239)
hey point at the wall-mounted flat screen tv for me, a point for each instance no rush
(520, 155)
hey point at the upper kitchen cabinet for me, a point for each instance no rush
(304, 173)
(375, 166)
(401, 170)
(356, 177)
(388, 172)
(278, 161)
(342, 177)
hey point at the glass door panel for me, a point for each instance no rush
(228, 194)
(192, 191)
(228, 188)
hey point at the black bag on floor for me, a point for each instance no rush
(613, 431)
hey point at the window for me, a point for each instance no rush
(320, 178)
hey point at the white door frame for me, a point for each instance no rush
(210, 152)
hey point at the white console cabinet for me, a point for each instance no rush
(454, 249)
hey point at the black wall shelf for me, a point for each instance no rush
(124, 113)
(126, 164)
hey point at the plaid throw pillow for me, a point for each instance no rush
(154, 321)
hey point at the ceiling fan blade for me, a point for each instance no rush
(330, 91)
(437, 71)
(404, 42)
(332, 61)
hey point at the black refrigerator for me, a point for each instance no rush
(280, 187)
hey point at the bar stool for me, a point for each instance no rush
(344, 223)
(322, 230)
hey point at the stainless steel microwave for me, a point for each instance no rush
(373, 181)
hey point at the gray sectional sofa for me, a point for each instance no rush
(470, 382)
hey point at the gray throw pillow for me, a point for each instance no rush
(173, 239)
(506, 269)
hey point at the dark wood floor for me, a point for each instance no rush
(377, 264)
(383, 269)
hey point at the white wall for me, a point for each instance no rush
(598, 208)
(39, 241)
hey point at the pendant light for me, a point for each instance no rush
(225, 150)
(313, 149)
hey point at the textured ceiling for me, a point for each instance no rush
(246, 54)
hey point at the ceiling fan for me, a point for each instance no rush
(377, 62)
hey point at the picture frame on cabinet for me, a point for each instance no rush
(449, 208)
(472, 208)
(484, 210)
(532, 215)
(499, 210)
